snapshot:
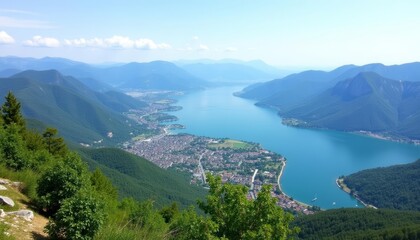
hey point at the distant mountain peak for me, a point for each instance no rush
(46, 76)
(362, 84)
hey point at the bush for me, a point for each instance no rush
(79, 217)
(61, 181)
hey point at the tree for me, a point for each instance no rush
(13, 149)
(228, 207)
(240, 218)
(190, 226)
(55, 145)
(103, 185)
(61, 181)
(267, 220)
(145, 216)
(10, 112)
(170, 212)
(79, 217)
(34, 141)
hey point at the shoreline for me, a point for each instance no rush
(340, 184)
(293, 122)
(281, 190)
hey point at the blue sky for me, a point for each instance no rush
(287, 33)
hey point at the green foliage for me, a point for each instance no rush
(139, 178)
(190, 226)
(146, 217)
(13, 149)
(169, 212)
(396, 187)
(55, 177)
(28, 177)
(10, 112)
(103, 185)
(55, 145)
(359, 224)
(239, 218)
(34, 141)
(61, 181)
(79, 217)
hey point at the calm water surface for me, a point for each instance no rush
(315, 158)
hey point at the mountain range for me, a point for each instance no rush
(254, 64)
(373, 97)
(231, 70)
(79, 113)
(156, 75)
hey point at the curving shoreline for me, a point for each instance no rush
(294, 122)
(340, 183)
(279, 186)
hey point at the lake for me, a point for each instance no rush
(315, 158)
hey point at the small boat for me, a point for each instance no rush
(333, 203)
(314, 199)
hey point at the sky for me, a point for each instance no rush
(283, 33)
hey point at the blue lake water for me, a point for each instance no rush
(315, 158)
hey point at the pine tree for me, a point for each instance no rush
(55, 145)
(10, 112)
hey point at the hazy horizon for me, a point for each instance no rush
(321, 35)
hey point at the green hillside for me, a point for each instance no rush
(136, 177)
(359, 224)
(366, 102)
(396, 187)
(80, 114)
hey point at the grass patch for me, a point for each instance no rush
(229, 143)
(4, 231)
(142, 136)
(28, 178)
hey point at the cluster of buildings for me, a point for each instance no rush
(245, 163)
(193, 154)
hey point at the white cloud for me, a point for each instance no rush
(202, 47)
(38, 41)
(148, 44)
(195, 38)
(117, 42)
(231, 49)
(23, 23)
(6, 38)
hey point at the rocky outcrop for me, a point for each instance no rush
(28, 215)
(6, 201)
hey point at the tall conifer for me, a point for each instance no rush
(10, 112)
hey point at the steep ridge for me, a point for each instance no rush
(80, 114)
(367, 102)
(292, 90)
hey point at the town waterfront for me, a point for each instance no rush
(315, 158)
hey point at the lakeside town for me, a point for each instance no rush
(237, 162)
